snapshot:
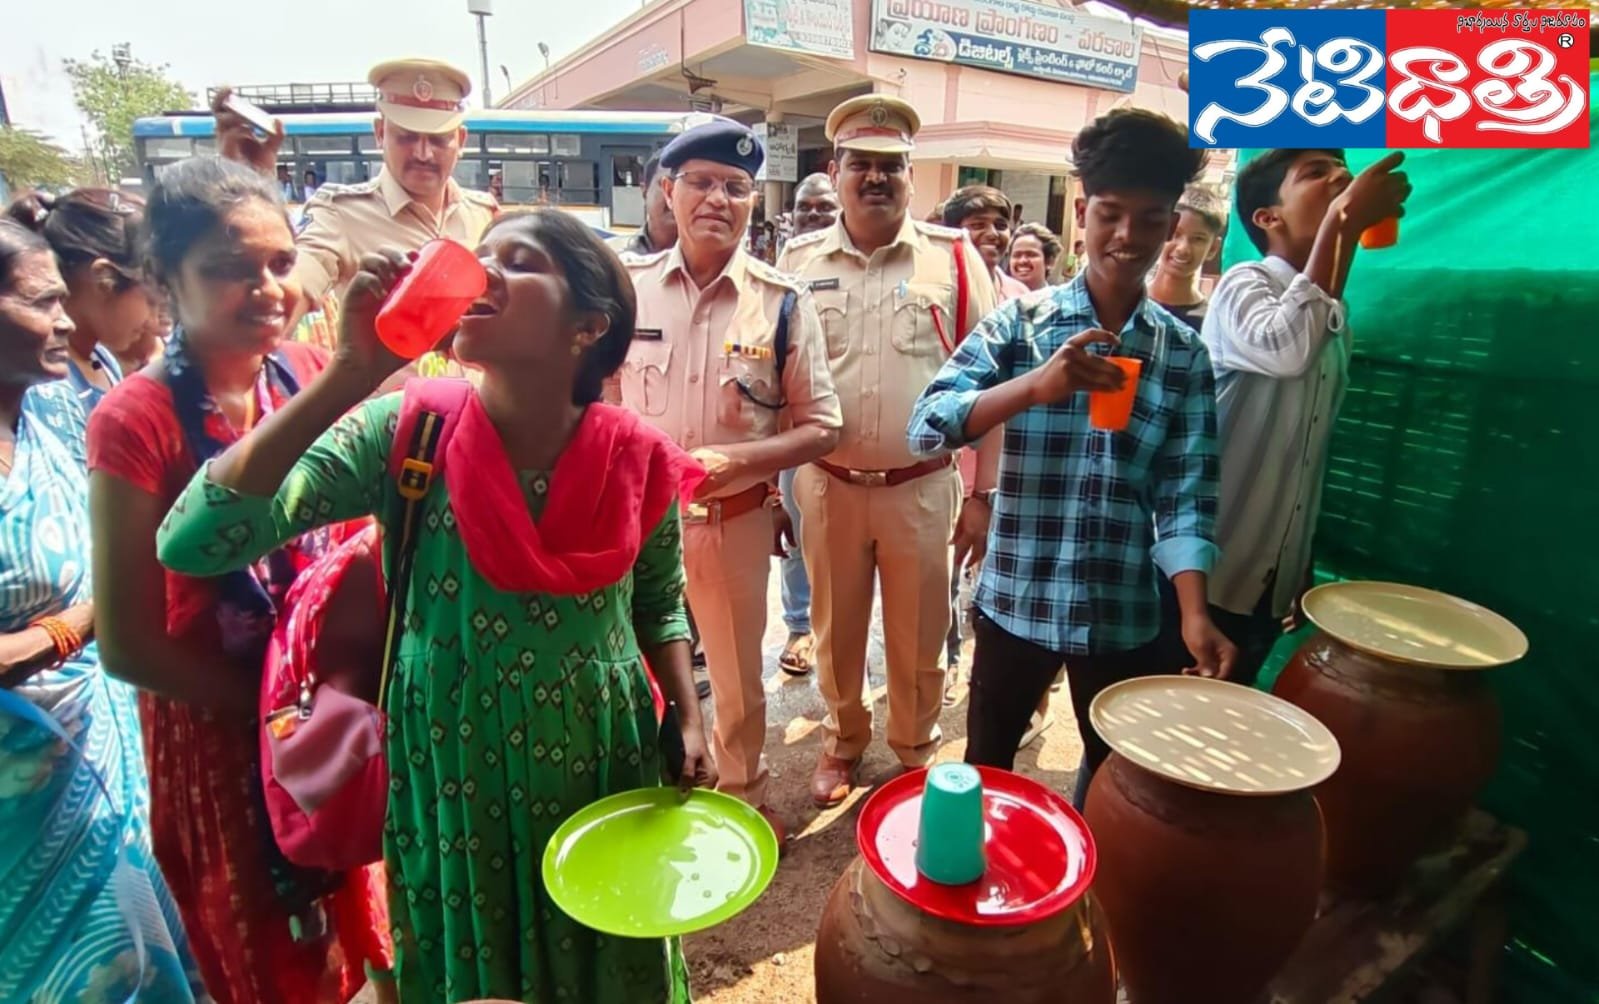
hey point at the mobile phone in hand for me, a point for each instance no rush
(252, 113)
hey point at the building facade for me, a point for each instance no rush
(1002, 85)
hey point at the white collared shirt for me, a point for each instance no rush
(1280, 346)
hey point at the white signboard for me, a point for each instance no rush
(1012, 36)
(782, 151)
(823, 27)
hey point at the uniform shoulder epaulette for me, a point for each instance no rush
(806, 240)
(333, 190)
(484, 199)
(939, 230)
(766, 273)
(632, 259)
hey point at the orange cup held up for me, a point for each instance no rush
(1111, 409)
(1382, 234)
(427, 303)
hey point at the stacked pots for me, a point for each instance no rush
(1210, 845)
(1025, 932)
(1395, 672)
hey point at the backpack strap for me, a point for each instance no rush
(427, 416)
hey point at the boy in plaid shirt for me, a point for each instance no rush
(1082, 517)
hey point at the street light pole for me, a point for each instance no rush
(482, 10)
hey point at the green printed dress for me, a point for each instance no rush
(507, 713)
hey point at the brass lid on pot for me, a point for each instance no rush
(1414, 625)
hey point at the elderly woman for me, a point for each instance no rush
(117, 323)
(85, 916)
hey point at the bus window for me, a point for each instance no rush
(580, 182)
(323, 144)
(566, 145)
(205, 146)
(469, 173)
(521, 179)
(163, 148)
(518, 142)
(341, 172)
(369, 145)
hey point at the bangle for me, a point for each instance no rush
(985, 496)
(67, 641)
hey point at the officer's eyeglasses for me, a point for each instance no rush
(703, 185)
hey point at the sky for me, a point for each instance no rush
(208, 42)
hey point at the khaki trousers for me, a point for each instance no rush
(898, 536)
(728, 564)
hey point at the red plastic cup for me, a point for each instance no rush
(428, 302)
(1382, 234)
(1113, 409)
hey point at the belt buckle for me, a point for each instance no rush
(705, 512)
(869, 479)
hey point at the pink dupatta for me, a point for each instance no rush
(611, 487)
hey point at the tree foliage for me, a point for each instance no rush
(28, 160)
(112, 96)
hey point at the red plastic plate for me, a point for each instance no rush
(1040, 855)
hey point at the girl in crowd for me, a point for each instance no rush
(76, 869)
(1033, 253)
(220, 247)
(548, 568)
(93, 232)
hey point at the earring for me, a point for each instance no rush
(577, 349)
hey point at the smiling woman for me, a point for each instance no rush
(221, 250)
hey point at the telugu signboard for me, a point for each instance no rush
(1012, 36)
(822, 27)
(781, 142)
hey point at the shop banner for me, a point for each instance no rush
(781, 143)
(1012, 36)
(822, 27)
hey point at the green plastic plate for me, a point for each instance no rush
(651, 864)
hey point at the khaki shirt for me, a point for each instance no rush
(699, 356)
(890, 323)
(344, 222)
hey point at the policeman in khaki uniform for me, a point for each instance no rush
(728, 359)
(895, 295)
(413, 199)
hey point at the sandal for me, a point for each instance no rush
(796, 657)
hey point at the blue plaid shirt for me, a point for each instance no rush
(1080, 512)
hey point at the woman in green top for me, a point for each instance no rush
(519, 692)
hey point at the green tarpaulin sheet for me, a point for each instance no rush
(1466, 459)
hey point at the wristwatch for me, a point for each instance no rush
(985, 496)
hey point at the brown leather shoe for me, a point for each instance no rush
(832, 780)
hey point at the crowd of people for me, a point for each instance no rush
(642, 427)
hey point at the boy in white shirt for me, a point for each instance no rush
(1279, 343)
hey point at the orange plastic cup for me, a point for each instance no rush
(428, 302)
(1112, 409)
(1382, 234)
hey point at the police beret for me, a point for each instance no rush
(720, 140)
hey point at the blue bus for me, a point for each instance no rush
(591, 163)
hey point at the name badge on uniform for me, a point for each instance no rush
(817, 284)
(647, 334)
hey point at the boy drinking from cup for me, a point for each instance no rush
(1277, 337)
(1085, 512)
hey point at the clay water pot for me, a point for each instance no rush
(1027, 932)
(1394, 672)
(1210, 845)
